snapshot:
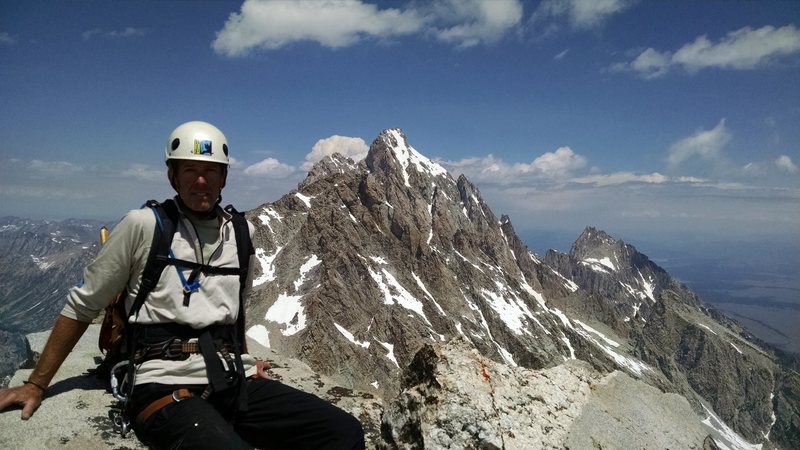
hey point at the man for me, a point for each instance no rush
(207, 394)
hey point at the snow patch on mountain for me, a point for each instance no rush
(268, 215)
(649, 289)
(425, 290)
(260, 334)
(408, 157)
(350, 337)
(390, 348)
(569, 284)
(304, 198)
(394, 292)
(311, 262)
(267, 266)
(732, 440)
(288, 311)
(41, 263)
(598, 264)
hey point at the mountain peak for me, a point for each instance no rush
(329, 165)
(390, 151)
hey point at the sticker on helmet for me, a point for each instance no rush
(202, 147)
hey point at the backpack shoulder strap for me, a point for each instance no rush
(244, 249)
(167, 217)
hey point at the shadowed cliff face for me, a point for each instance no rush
(14, 353)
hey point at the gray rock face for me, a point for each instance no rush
(698, 352)
(14, 353)
(455, 398)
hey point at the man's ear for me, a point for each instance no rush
(224, 177)
(171, 176)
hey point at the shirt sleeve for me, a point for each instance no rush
(119, 261)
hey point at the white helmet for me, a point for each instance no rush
(198, 141)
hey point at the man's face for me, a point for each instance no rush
(199, 183)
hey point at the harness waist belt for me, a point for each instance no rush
(174, 349)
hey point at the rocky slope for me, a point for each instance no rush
(453, 397)
(74, 414)
(689, 348)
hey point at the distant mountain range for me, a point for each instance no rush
(366, 263)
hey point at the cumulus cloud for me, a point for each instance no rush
(351, 147)
(785, 164)
(705, 144)
(550, 166)
(128, 32)
(477, 21)
(270, 167)
(580, 14)
(272, 24)
(742, 49)
(558, 164)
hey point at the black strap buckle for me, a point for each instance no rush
(175, 353)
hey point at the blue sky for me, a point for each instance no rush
(647, 119)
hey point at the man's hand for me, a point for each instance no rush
(28, 396)
(65, 334)
(261, 368)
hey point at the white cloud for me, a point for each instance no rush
(7, 39)
(351, 147)
(270, 167)
(234, 163)
(54, 168)
(478, 21)
(128, 32)
(651, 64)
(558, 164)
(706, 144)
(581, 14)
(561, 55)
(742, 49)
(785, 164)
(143, 172)
(622, 178)
(272, 24)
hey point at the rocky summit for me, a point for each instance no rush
(429, 319)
